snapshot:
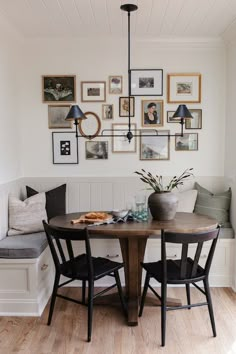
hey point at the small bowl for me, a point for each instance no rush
(120, 213)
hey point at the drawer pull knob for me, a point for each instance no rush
(112, 255)
(44, 266)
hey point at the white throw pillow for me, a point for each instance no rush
(26, 216)
(187, 200)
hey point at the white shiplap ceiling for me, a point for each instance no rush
(154, 18)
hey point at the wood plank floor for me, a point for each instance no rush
(188, 331)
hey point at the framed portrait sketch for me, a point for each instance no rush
(155, 148)
(96, 150)
(147, 82)
(124, 106)
(58, 88)
(107, 111)
(64, 148)
(170, 119)
(57, 115)
(182, 88)
(188, 142)
(121, 143)
(196, 121)
(152, 113)
(93, 91)
(115, 84)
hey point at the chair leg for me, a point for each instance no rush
(53, 297)
(122, 299)
(163, 313)
(83, 291)
(188, 295)
(210, 307)
(145, 288)
(90, 308)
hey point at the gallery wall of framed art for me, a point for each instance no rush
(59, 91)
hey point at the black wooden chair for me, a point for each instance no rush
(77, 266)
(182, 271)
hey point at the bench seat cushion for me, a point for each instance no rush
(23, 246)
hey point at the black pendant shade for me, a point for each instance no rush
(182, 112)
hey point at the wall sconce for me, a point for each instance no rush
(77, 115)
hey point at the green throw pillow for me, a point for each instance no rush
(213, 205)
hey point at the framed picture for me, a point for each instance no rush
(107, 111)
(121, 143)
(182, 88)
(124, 106)
(196, 121)
(96, 150)
(89, 128)
(115, 84)
(58, 88)
(152, 113)
(170, 119)
(93, 91)
(188, 142)
(147, 82)
(155, 147)
(64, 148)
(57, 115)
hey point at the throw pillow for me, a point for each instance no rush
(55, 200)
(213, 205)
(26, 216)
(187, 200)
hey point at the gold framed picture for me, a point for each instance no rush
(182, 88)
(115, 84)
(152, 113)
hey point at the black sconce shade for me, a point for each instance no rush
(75, 113)
(182, 112)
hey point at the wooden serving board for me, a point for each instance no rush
(83, 219)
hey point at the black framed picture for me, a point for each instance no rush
(58, 88)
(124, 106)
(147, 82)
(65, 148)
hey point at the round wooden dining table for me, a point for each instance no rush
(133, 237)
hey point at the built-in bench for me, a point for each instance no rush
(26, 267)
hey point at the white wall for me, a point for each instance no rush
(10, 65)
(96, 60)
(230, 145)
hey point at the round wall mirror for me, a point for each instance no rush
(90, 127)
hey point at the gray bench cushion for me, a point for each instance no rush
(23, 246)
(226, 232)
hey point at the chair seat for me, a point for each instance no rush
(173, 270)
(77, 268)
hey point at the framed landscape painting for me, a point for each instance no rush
(187, 142)
(93, 91)
(155, 148)
(58, 88)
(182, 88)
(57, 115)
(146, 82)
(64, 148)
(96, 150)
